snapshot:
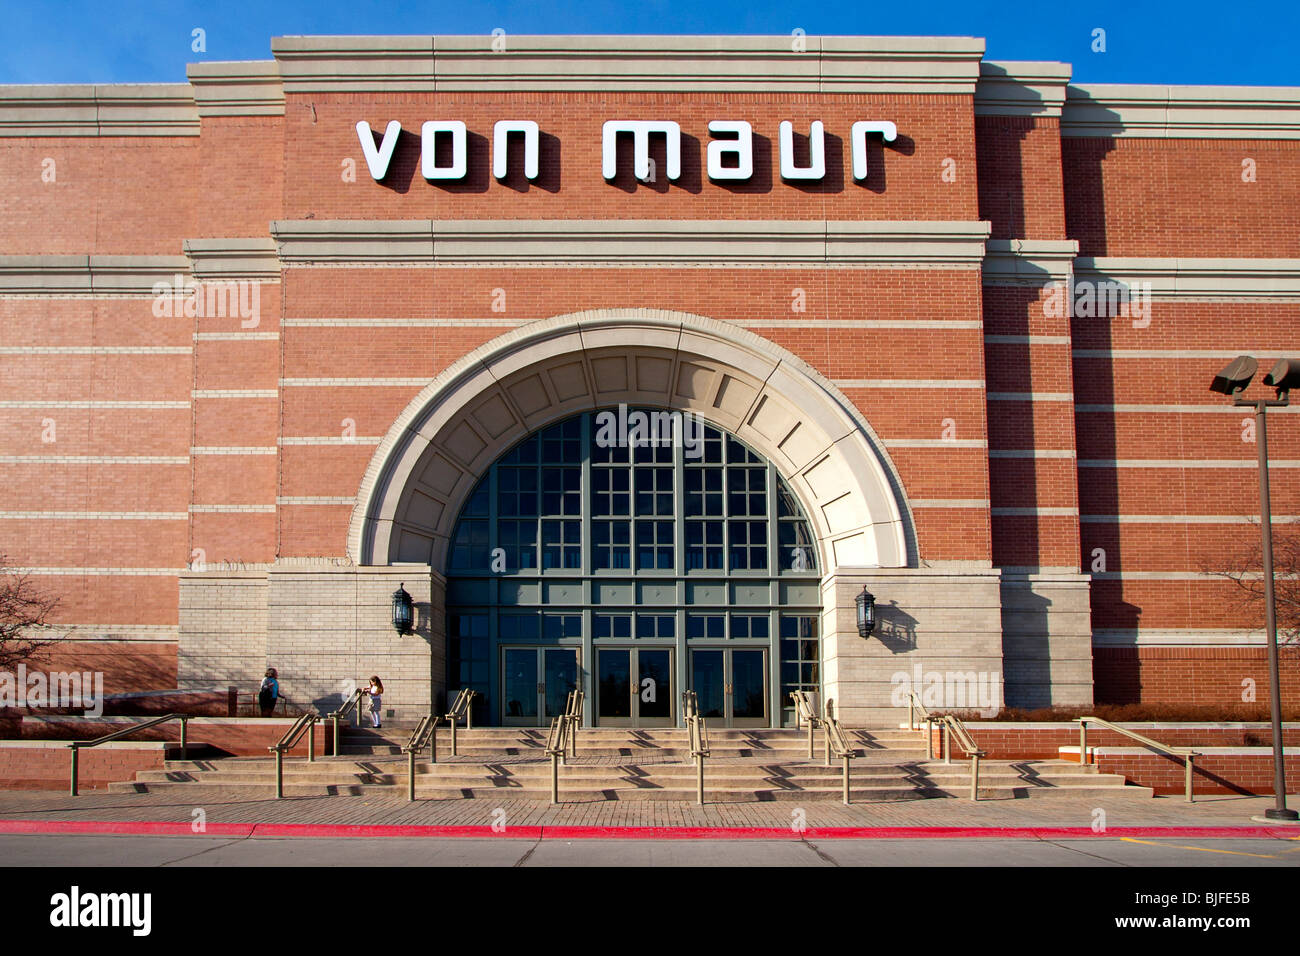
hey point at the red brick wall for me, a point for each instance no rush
(1191, 675)
(1020, 176)
(48, 768)
(1181, 197)
(131, 195)
(126, 665)
(729, 294)
(1242, 774)
(1009, 741)
(239, 738)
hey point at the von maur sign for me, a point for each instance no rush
(737, 147)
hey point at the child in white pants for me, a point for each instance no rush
(375, 690)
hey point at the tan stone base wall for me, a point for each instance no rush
(930, 623)
(321, 624)
(1047, 639)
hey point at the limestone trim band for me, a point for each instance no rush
(250, 88)
(642, 242)
(1197, 278)
(1029, 262)
(1181, 112)
(448, 436)
(1021, 88)
(682, 64)
(98, 275)
(118, 109)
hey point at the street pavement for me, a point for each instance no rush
(213, 826)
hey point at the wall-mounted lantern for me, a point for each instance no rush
(403, 611)
(866, 613)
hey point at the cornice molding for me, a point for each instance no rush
(629, 242)
(1028, 262)
(88, 275)
(250, 88)
(1182, 112)
(1021, 89)
(1199, 278)
(683, 64)
(233, 259)
(135, 109)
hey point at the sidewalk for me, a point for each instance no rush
(228, 808)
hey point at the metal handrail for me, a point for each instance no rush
(837, 742)
(1188, 754)
(304, 723)
(805, 711)
(424, 735)
(556, 745)
(460, 708)
(698, 735)
(954, 729)
(353, 701)
(914, 707)
(573, 714)
(77, 745)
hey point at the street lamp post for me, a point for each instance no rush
(1232, 381)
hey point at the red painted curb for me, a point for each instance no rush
(327, 830)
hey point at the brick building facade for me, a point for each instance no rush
(1029, 482)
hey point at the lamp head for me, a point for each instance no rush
(1236, 376)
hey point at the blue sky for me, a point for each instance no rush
(1238, 43)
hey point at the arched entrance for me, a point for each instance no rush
(633, 552)
(805, 437)
(433, 456)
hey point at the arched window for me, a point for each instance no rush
(641, 552)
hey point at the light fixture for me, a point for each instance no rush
(403, 611)
(866, 613)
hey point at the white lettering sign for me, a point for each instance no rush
(429, 167)
(742, 147)
(500, 138)
(816, 168)
(378, 160)
(730, 158)
(640, 130)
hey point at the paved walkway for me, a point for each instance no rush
(220, 805)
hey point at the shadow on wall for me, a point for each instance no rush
(1032, 652)
(1117, 680)
(895, 628)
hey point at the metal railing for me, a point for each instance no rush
(837, 743)
(556, 745)
(953, 729)
(305, 723)
(424, 735)
(1187, 753)
(353, 703)
(573, 714)
(78, 745)
(698, 734)
(460, 708)
(806, 713)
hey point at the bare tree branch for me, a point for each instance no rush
(26, 633)
(1244, 567)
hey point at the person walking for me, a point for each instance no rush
(375, 690)
(269, 693)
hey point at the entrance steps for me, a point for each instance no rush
(643, 764)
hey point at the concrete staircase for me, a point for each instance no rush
(630, 764)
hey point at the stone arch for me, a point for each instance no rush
(450, 434)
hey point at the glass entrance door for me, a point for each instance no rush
(535, 683)
(731, 685)
(634, 687)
